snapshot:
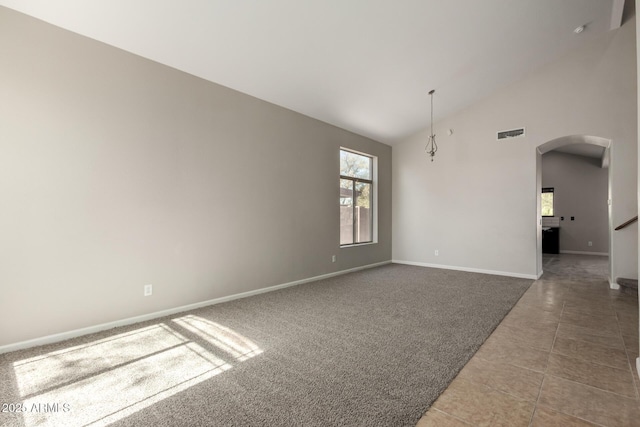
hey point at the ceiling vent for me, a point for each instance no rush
(512, 133)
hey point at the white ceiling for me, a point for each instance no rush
(363, 65)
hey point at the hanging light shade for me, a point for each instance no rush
(431, 146)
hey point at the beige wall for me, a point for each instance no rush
(637, 23)
(116, 172)
(476, 203)
(580, 191)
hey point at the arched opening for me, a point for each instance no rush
(598, 149)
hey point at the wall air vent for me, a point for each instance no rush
(512, 133)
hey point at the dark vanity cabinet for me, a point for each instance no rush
(551, 240)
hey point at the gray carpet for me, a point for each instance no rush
(372, 348)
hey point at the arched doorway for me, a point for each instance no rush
(573, 143)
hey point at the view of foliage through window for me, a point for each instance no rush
(547, 202)
(356, 166)
(356, 222)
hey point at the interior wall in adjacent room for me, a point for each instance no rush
(580, 191)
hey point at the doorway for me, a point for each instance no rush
(582, 218)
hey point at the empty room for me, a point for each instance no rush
(319, 213)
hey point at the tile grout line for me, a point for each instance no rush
(544, 374)
(497, 390)
(548, 375)
(626, 352)
(590, 386)
(450, 415)
(586, 341)
(608, 298)
(592, 362)
(516, 366)
(577, 382)
(585, 385)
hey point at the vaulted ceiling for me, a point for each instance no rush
(363, 65)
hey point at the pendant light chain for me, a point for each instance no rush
(431, 147)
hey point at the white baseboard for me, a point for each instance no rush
(613, 285)
(49, 339)
(540, 274)
(585, 253)
(469, 269)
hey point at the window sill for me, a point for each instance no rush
(356, 245)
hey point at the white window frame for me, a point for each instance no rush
(373, 201)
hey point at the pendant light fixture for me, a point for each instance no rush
(431, 146)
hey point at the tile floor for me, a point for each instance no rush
(564, 356)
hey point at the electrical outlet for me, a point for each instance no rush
(437, 252)
(148, 290)
(590, 243)
(333, 258)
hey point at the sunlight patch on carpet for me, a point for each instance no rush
(224, 338)
(107, 380)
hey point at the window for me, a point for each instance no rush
(547, 202)
(356, 198)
